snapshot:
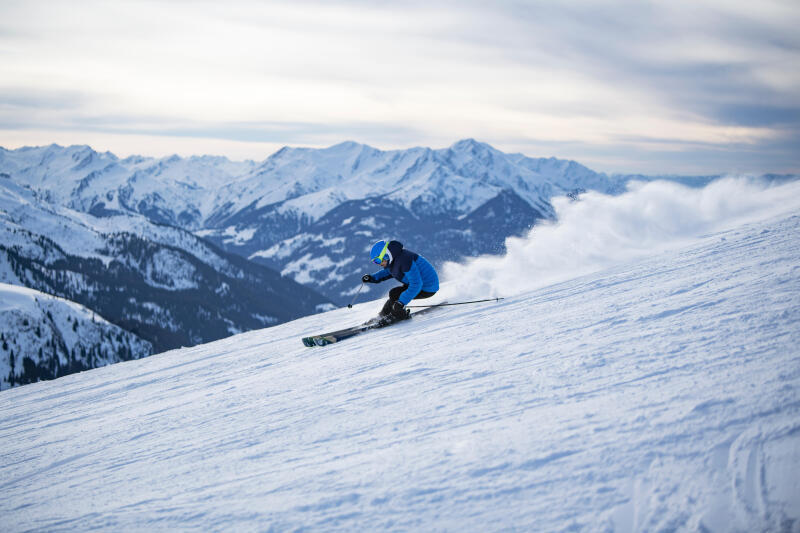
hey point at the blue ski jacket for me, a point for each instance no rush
(411, 269)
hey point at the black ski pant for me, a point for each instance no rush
(395, 293)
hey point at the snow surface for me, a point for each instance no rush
(658, 393)
(22, 299)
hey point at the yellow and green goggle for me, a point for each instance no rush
(378, 259)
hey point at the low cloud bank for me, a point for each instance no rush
(598, 231)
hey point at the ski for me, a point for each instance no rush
(336, 336)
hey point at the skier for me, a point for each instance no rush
(417, 275)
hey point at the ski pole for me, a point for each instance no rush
(350, 305)
(460, 303)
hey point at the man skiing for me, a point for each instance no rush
(417, 275)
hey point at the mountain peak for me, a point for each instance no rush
(470, 144)
(347, 146)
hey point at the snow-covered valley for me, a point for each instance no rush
(659, 391)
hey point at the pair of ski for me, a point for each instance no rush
(336, 336)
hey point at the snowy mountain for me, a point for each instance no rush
(44, 337)
(324, 208)
(312, 213)
(159, 282)
(651, 387)
(172, 190)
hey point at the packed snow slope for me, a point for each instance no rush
(657, 393)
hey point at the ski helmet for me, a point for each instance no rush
(380, 251)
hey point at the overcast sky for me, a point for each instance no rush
(679, 86)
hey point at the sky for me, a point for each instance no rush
(680, 86)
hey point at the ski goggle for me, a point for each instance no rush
(379, 258)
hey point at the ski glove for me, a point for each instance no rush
(367, 278)
(399, 311)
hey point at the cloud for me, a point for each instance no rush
(589, 77)
(41, 98)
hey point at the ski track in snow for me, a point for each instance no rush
(658, 395)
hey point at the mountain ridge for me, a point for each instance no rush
(292, 201)
(45, 337)
(250, 208)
